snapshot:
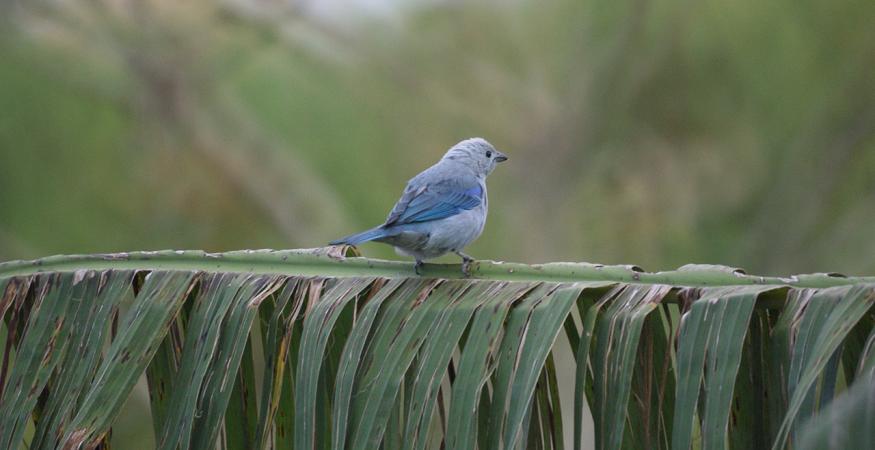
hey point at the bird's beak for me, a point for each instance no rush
(500, 157)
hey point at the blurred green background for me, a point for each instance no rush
(653, 132)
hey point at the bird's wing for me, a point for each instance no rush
(434, 201)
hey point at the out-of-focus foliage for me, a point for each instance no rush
(655, 132)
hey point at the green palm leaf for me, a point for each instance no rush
(316, 349)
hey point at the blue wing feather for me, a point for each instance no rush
(434, 203)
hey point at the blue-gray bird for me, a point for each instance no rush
(443, 209)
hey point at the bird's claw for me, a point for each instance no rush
(466, 267)
(467, 261)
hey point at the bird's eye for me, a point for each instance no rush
(489, 153)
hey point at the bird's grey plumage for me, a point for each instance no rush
(443, 209)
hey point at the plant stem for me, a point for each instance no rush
(318, 262)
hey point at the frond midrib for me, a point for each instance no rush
(318, 262)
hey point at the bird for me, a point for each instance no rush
(442, 209)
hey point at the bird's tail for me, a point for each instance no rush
(364, 236)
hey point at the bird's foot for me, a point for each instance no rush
(418, 267)
(467, 263)
(466, 267)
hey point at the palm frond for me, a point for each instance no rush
(321, 349)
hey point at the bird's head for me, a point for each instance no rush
(477, 154)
